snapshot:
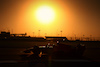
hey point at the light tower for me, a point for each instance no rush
(90, 37)
(33, 34)
(61, 33)
(39, 33)
(75, 36)
(83, 37)
(45, 34)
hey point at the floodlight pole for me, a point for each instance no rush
(33, 34)
(45, 34)
(61, 33)
(39, 33)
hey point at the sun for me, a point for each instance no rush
(45, 14)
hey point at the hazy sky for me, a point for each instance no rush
(73, 17)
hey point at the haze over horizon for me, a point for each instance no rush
(72, 17)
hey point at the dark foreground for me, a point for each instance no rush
(10, 56)
(56, 63)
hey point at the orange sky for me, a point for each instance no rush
(73, 17)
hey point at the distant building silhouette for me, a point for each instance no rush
(4, 35)
(56, 38)
(7, 36)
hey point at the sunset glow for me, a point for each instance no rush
(51, 17)
(45, 14)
